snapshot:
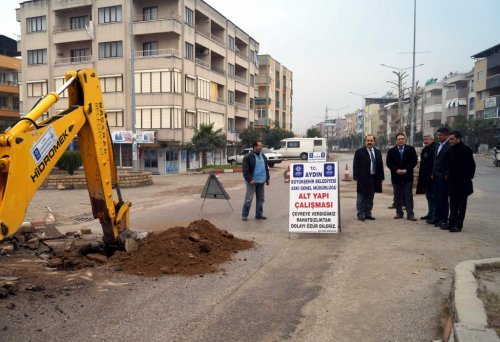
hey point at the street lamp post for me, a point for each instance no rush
(413, 116)
(363, 96)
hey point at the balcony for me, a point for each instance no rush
(9, 87)
(64, 4)
(263, 80)
(7, 112)
(203, 64)
(493, 81)
(241, 80)
(263, 122)
(262, 100)
(493, 60)
(67, 34)
(157, 53)
(73, 60)
(241, 105)
(170, 22)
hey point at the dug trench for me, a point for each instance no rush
(31, 264)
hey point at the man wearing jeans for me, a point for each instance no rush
(256, 174)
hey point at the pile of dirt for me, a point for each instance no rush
(196, 249)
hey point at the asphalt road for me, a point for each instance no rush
(385, 280)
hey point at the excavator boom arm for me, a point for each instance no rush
(28, 151)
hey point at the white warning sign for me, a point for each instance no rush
(314, 198)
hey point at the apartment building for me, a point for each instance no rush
(433, 106)
(273, 103)
(172, 65)
(9, 91)
(487, 82)
(455, 96)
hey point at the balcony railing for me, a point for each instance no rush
(218, 70)
(263, 122)
(241, 54)
(157, 53)
(151, 17)
(221, 100)
(218, 40)
(70, 27)
(73, 60)
(203, 64)
(241, 80)
(241, 105)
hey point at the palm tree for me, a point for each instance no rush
(206, 139)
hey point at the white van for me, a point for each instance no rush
(300, 147)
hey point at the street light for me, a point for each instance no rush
(363, 96)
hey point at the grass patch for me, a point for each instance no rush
(491, 303)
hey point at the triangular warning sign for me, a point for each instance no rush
(214, 189)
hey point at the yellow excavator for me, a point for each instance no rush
(29, 150)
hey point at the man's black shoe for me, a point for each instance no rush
(444, 226)
(391, 207)
(398, 217)
(455, 229)
(430, 222)
(260, 218)
(426, 217)
(411, 218)
(361, 218)
(369, 217)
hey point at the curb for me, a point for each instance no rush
(471, 323)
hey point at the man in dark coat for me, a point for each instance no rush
(462, 169)
(401, 160)
(424, 183)
(440, 171)
(368, 171)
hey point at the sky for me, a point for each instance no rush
(334, 47)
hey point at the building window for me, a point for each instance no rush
(150, 158)
(150, 49)
(37, 89)
(77, 23)
(481, 95)
(150, 13)
(190, 84)
(251, 103)
(230, 42)
(115, 118)
(189, 16)
(37, 56)
(480, 75)
(15, 103)
(158, 117)
(123, 155)
(59, 81)
(252, 56)
(252, 80)
(190, 118)
(203, 89)
(230, 70)
(110, 50)
(36, 24)
(110, 14)
(161, 81)
(188, 51)
(230, 97)
(79, 55)
(3, 101)
(111, 84)
(203, 118)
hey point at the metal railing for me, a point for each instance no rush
(171, 15)
(157, 53)
(241, 80)
(218, 70)
(71, 27)
(240, 105)
(73, 60)
(203, 63)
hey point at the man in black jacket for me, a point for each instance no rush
(462, 170)
(256, 174)
(440, 171)
(424, 183)
(368, 171)
(401, 160)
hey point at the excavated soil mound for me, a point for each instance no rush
(196, 249)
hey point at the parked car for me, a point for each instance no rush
(272, 157)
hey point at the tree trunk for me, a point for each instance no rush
(204, 158)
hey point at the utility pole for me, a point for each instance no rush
(135, 159)
(412, 99)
